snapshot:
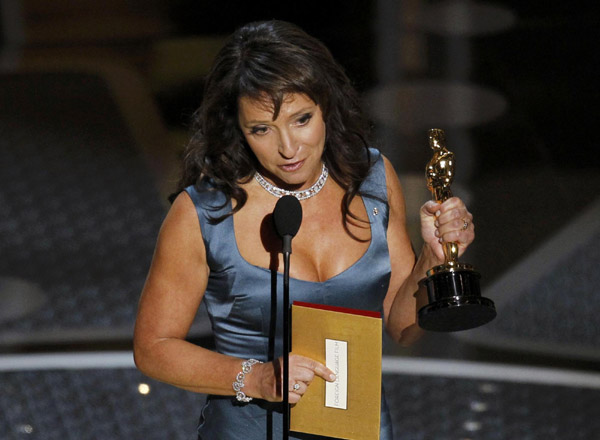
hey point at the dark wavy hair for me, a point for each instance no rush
(273, 59)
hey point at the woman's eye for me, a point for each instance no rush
(304, 119)
(258, 130)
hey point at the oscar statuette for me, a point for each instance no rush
(455, 301)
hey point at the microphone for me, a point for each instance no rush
(287, 217)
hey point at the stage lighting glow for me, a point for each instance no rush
(25, 429)
(144, 389)
(488, 388)
(472, 425)
(478, 406)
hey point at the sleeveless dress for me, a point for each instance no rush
(242, 298)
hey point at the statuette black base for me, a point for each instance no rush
(455, 301)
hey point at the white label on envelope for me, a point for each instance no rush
(336, 359)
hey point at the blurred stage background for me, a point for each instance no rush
(95, 98)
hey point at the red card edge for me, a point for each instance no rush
(368, 313)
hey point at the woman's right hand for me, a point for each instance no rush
(302, 371)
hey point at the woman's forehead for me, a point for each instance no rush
(265, 107)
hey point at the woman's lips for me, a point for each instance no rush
(292, 166)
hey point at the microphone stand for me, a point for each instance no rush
(287, 217)
(286, 336)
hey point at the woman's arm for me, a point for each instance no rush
(170, 299)
(438, 222)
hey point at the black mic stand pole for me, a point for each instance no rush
(286, 335)
(287, 217)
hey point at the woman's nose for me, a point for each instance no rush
(287, 146)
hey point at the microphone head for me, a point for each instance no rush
(287, 216)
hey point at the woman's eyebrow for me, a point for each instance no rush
(303, 110)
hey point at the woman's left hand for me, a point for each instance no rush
(449, 222)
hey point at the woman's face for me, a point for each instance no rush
(289, 148)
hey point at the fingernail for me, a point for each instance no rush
(441, 240)
(437, 224)
(438, 213)
(332, 377)
(437, 233)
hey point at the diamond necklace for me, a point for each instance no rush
(300, 195)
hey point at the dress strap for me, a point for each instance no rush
(375, 183)
(211, 203)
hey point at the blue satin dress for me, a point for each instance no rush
(242, 298)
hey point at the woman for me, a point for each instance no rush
(278, 116)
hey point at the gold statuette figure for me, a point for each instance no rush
(440, 173)
(455, 301)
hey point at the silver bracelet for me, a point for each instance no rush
(239, 380)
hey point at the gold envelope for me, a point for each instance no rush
(312, 324)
